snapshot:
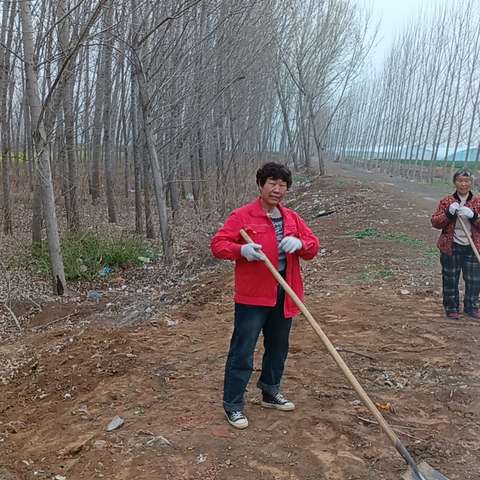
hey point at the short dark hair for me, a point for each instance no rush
(462, 173)
(276, 171)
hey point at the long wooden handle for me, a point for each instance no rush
(470, 239)
(338, 359)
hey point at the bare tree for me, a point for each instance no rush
(41, 147)
(429, 97)
(6, 77)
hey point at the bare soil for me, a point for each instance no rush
(154, 355)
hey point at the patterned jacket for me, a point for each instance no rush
(443, 220)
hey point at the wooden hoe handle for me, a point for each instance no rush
(470, 239)
(338, 360)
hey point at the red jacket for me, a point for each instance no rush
(442, 219)
(254, 284)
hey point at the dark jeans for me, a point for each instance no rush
(249, 322)
(462, 260)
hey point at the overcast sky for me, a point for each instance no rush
(393, 15)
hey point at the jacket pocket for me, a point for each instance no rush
(258, 232)
(290, 229)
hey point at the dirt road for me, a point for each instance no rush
(374, 290)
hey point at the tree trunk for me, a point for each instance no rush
(73, 211)
(41, 146)
(107, 122)
(137, 172)
(158, 182)
(6, 35)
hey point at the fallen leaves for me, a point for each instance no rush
(386, 407)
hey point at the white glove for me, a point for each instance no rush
(465, 212)
(251, 253)
(290, 244)
(452, 209)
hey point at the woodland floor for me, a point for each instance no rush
(154, 354)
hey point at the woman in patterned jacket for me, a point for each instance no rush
(456, 254)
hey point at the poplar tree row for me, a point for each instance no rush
(420, 115)
(166, 100)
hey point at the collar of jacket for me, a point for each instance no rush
(470, 195)
(258, 210)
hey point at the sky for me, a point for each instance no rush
(393, 16)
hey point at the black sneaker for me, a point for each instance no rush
(237, 419)
(277, 401)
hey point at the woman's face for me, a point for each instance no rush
(272, 193)
(463, 184)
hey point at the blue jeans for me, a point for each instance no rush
(250, 320)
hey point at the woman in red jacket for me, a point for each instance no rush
(260, 303)
(456, 254)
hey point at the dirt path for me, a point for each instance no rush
(376, 294)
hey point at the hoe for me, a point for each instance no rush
(421, 471)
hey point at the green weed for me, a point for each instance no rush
(429, 253)
(370, 273)
(85, 254)
(364, 234)
(403, 238)
(342, 184)
(297, 178)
